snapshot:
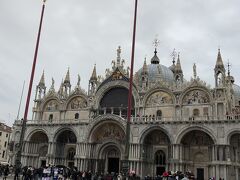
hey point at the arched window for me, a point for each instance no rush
(77, 116)
(196, 112)
(50, 117)
(159, 114)
(108, 111)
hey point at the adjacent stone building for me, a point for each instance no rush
(176, 124)
(5, 134)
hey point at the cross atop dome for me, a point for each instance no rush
(156, 42)
(155, 59)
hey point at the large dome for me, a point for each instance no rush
(158, 71)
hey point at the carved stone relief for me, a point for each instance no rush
(159, 98)
(51, 105)
(108, 131)
(196, 97)
(78, 103)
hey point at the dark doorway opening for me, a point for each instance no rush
(43, 163)
(200, 174)
(160, 170)
(113, 165)
(70, 164)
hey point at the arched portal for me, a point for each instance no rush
(65, 148)
(197, 147)
(235, 148)
(109, 138)
(110, 159)
(37, 149)
(234, 156)
(156, 152)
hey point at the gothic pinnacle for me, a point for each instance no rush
(42, 80)
(67, 78)
(178, 67)
(94, 73)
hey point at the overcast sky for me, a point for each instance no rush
(79, 33)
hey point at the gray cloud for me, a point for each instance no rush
(77, 34)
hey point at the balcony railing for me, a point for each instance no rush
(141, 119)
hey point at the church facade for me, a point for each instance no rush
(175, 124)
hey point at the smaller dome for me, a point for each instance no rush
(236, 90)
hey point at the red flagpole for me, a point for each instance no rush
(18, 158)
(125, 163)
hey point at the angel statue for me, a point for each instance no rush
(113, 64)
(79, 79)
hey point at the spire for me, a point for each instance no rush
(42, 80)
(145, 68)
(178, 68)
(94, 73)
(219, 62)
(67, 78)
(229, 77)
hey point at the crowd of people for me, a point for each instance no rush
(60, 172)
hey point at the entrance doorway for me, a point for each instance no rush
(200, 174)
(43, 163)
(160, 162)
(113, 165)
(70, 164)
(160, 170)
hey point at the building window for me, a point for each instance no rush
(196, 112)
(50, 117)
(0, 133)
(205, 111)
(5, 144)
(6, 135)
(159, 114)
(3, 154)
(77, 116)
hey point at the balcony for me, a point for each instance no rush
(141, 120)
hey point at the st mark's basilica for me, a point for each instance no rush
(176, 124)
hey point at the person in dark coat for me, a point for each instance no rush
(16, 172)
(5, 172)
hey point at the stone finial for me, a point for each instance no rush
(194, 71)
